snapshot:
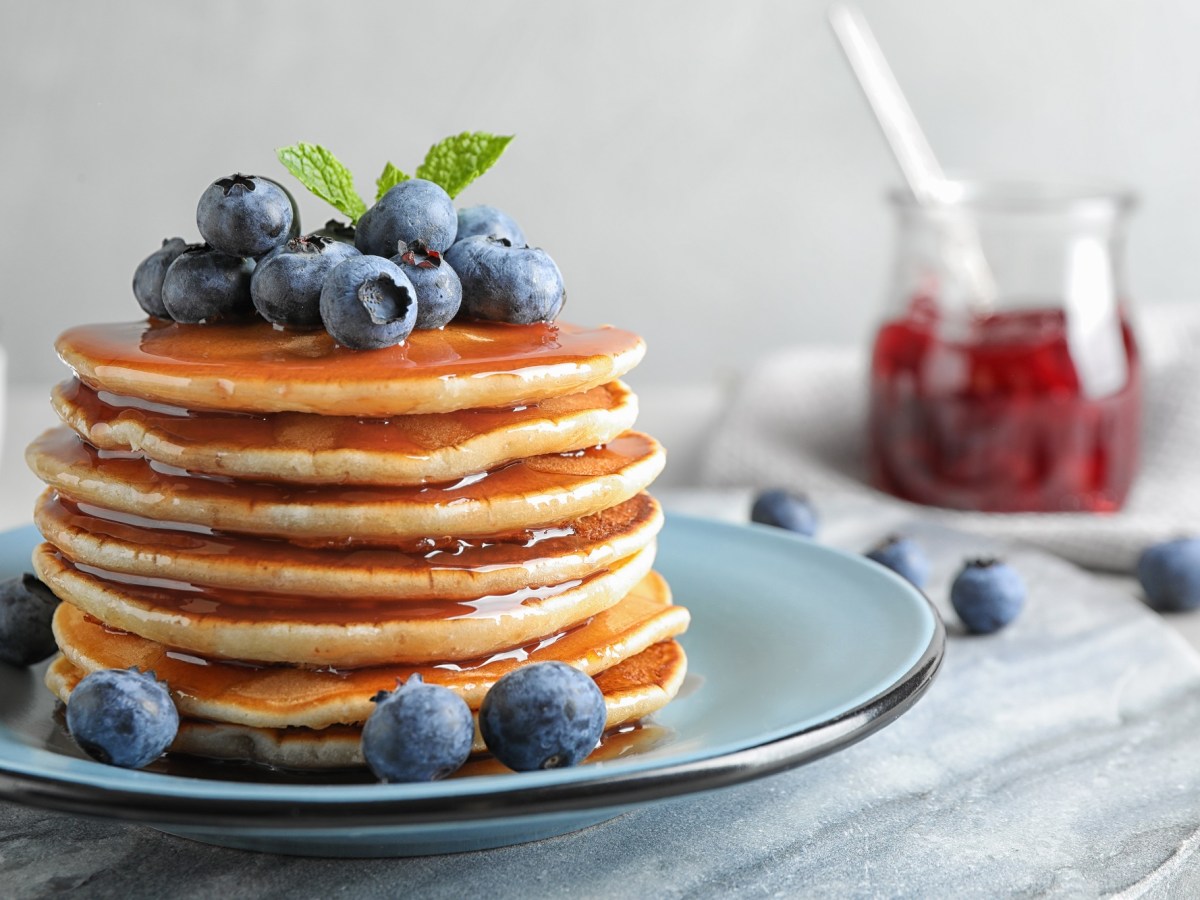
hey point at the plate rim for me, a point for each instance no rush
(426, 805)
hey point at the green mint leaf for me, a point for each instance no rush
(323, 174)
(389, 179)
(457, 161)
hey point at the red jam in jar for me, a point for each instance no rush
(1005, 376)
(997, 419)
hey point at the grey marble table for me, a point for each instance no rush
(1058, 757)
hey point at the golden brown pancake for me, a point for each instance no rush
(339, 631)
(253, 367)
(307, 448)
(632, 690)
(531, 493)
(449, 568)
(287, 696)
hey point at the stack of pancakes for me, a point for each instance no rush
(280, 528)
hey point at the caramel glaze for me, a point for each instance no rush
(221, 437)
(253, 367)
(69, 464)
(258, 606)
(63, 520)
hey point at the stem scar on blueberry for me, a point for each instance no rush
(236, 180)
(417, 253)
(384, 300)
(309, 243)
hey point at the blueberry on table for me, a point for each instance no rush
(439, 292)
(503, 282)
(26, 610)
(542, 716)
(987, 595)
(286, 285)
(1170, 575)
(203, 284)
(122, 717)
(368, 303)
(413, 210)
(418, 732)
(487, 221)
(245, 215)
(785, 509)
(903, 556)
(148, 276)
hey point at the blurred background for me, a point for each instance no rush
(704, 173)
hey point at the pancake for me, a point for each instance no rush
(448, 568)
(530, 493)
(307, 448)
(286, 696)
(341, 631)
(253, 367)
(632, 690)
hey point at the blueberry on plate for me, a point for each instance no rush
(148, 276)
(785, 509)
(503, 282)
(903, 556)
(245, 215)
(203, 284)
(286, 285)
(542, 716)
(122, 717)
(26, 610)
(439, 292)
(487, 221)
(367, 303)
(1170, 575)
(418, 732)
(413, 210)
(987, 595)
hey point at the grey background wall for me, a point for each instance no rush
(704, 172)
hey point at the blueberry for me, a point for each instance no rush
(294, 229)
(418, 732)
(1170, 575)
(903, 556)
(26, 609)
(148, 276)
(487, 221)
(286, 285)
(542, 716)
(244, 215)
(785, 509)
(505, 283)
(203, 284)
(413, 210)
(987, 594)
(439, 292)
(368, 303)
(122, 717)
(336, 231)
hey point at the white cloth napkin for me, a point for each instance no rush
(798, 420)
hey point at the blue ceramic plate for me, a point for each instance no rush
(795, 651)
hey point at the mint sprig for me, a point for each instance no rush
(390, 177)
(456, 161)
(323, 174)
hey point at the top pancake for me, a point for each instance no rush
(254, 367)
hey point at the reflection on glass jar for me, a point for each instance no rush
(1026, 401)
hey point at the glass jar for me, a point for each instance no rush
(1026, 395)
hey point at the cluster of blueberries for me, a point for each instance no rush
(411, 262)
(988, 594)
(542, 716)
